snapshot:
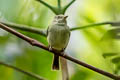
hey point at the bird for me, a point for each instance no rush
(58, 35)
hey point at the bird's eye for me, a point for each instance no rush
(58, 16)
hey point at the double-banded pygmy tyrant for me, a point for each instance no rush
(58, 35)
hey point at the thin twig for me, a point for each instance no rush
(67, 6)
(25, 28)
(49, 6)
(23, 71)
(95, 25)
(40, 45)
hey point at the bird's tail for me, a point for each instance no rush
(64, 68)
(55, 65)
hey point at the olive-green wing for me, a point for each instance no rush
(47, 30)
(68, 41)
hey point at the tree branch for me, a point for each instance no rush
(95, 25)
(34, 42)
(49, 6)
(67, 6)
(20, 70)
(25, 28)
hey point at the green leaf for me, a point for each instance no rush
(112, 34)
(105, 55)
(116, 60)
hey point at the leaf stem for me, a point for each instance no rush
(59, 5)
(49, 6)
(43, 31)
(67, 6)
(95, 25)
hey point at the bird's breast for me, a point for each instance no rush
(58, 37)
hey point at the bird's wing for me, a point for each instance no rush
(47, 30)
(68, 40)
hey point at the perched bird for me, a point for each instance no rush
(58, 34)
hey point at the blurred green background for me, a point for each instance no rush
(96, 46)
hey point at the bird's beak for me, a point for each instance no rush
(65, 17)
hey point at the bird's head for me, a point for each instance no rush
(60, 19)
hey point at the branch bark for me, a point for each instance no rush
(23, 71)
(34, 42)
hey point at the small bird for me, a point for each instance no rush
(58, 34)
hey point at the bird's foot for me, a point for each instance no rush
(50, 48)
(62, 53)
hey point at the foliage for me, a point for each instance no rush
(95, 46)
